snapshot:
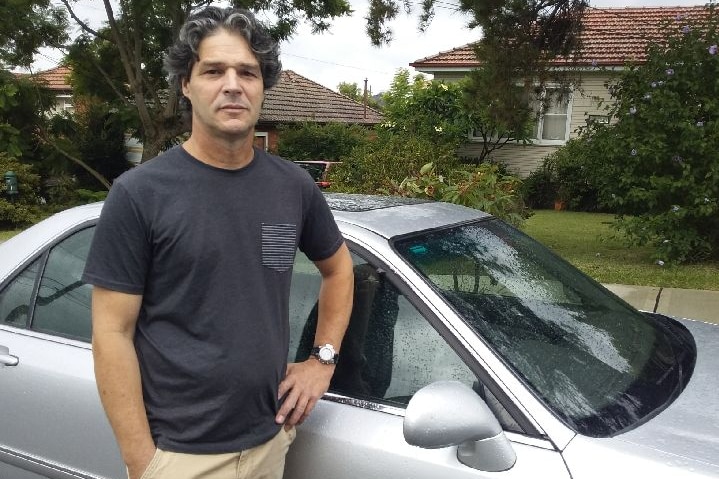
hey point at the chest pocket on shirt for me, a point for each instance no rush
(278, 246)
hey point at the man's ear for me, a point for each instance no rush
(184, 88)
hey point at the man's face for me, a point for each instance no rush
(225, 87)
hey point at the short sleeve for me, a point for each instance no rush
(321, 237)
(120, 252)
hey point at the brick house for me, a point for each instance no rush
(611, 38)
(57, 81)
(296, 99)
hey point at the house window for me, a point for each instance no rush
(64, 103)
(553, 109)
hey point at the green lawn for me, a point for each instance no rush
(585, 240)
(7, 234)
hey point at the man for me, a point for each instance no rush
(191, 266)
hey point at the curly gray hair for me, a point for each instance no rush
(183, 54)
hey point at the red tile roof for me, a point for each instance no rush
(296, 98)
(611, 36)
(56, 79)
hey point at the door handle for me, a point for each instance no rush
(7, 359)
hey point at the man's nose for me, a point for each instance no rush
(232, 82)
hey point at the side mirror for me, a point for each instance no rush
(448, 413)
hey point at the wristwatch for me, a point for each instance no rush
(325, 354)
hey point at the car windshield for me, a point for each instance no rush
(597, 363)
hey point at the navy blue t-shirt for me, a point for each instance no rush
(211, 251)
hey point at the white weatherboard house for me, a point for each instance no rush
(612, 37)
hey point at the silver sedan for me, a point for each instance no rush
(472, 352)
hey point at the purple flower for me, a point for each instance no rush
(654, 84)
(713, 49)
(648, 96)
(670, 71)
(686, 29)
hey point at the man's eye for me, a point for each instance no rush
(212, 71)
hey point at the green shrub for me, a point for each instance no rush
(658, 165)
(484, 187)
(21, 210)
(372, 166)
(540, 189)
(313, 141)
(571, 169)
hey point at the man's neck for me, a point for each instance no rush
(227, 154)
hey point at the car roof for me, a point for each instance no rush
(390, 216)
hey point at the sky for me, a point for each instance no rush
(344, 53)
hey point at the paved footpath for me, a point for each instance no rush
(684, 303)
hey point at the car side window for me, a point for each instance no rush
(390, 351)
(16, 297)
(63, 301)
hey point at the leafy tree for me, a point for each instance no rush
(501, 111)
(549, 25)
(427, 109)
(350, 90)
(97, 136)
(657, 163)
(27, 26)
(24, 106)
(122, 62)
(353, 91)
(521, 42)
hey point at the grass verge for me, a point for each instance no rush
(587, 241)
(4, 235)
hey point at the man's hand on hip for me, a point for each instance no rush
(304, 385)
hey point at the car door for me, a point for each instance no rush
(51, 420)
(390, 351)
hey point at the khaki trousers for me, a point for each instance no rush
(266, 461)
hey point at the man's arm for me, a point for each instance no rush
(117, 372)
(306, 382)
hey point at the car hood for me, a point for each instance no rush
(689, 427)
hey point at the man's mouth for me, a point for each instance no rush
(233, 107)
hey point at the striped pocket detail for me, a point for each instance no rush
(278, 246)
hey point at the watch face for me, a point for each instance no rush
(326, 354)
